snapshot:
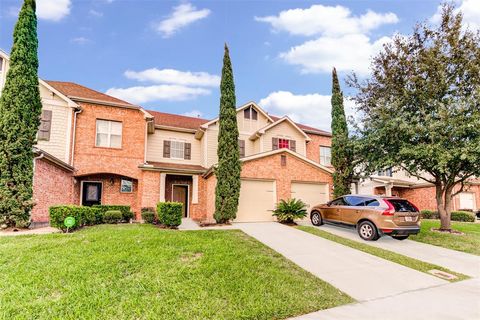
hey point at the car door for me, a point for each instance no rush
(333, 211)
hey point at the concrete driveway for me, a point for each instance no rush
(360, 275)
(465, 263)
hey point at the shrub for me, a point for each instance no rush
(149, 216)
(125, 210)
(429, 214)
(83, 216)
(463, 216)
(112, 216)
(170, 213)
(289, 210)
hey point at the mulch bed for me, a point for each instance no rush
(451, 231)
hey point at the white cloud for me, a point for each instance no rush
(53, 10)
(310, 109)
(95, 13)
(327, 20)
(80, 40)
(173, 76)
(144, 94)
(470, 10)
(340, 39)
(346, 53)
(194, 113)
(182, 15)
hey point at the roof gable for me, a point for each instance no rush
(240, 109)
(274, 124)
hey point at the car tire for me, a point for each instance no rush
(316, 218)
(367, 231)
(400, 237)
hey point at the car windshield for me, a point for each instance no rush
(401, 205)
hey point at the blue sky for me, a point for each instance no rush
(167, 55)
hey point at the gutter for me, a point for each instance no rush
(74, 131)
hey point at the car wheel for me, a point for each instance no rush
(367, 231)
(316, 218)
(400, 237)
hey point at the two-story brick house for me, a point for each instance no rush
(93, 148)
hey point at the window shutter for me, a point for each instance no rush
(241, 146)
(293, 145)
(166, 149)
(274, 143)
(45, 125)
(187, 155)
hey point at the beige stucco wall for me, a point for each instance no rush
(284, 130)
(155, 146)
(60, 135)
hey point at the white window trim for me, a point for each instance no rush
(121, 181)
(109, 134)
(323, 158)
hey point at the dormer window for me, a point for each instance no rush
(250, 113)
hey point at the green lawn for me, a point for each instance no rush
(142, 272)
(382, 253)
(470, 242)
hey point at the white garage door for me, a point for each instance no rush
(257, 200)
(310, 193)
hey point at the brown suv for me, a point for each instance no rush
(373, 216)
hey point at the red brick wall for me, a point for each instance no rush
(148, 190)
(313, 147)
(424, 198)
(52, 185)
(295, 170)
(111, 191)
(89, 159)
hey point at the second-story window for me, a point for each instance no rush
(283, 143)
(177, 149)
(250, 113)
(326, 156)
(109, 134)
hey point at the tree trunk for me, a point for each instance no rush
(444, 205)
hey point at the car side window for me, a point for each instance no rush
(339, 202)
(355, 201)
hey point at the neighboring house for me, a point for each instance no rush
(93, 148)
(397, 182)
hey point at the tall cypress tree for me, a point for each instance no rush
(342, 155)
(20, 109)
(228, 170)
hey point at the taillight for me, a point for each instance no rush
(390, 211)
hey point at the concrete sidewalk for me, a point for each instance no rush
(360, 275)
(458, 300)
(465, 263)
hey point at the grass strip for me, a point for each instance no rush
(382, 253)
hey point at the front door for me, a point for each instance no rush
(180, 194)
(91, 193)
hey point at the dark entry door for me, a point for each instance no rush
(180, 194)
(91, 193)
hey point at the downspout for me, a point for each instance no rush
(145, 147)
(74, 131)
(34, 166)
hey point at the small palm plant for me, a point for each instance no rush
(289, 210)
